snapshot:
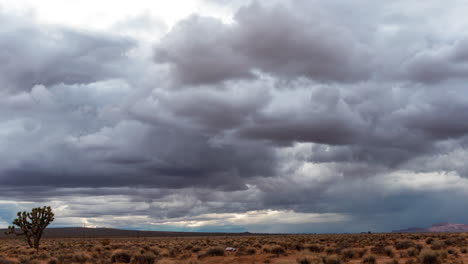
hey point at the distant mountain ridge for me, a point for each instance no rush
(81, 232)
(440, 227)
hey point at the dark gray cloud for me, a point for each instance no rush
(276, 40)
(34, 54)
(302, 112)
(438, 62)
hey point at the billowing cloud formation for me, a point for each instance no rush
(325, 120)
(32, 54)
(274, 40)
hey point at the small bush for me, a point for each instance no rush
(212, 252)
(79, 258)
(331, 260)
(246, 252)
(278, 250)
(105, 242)
(196, 249)
(51, 261)
(412, 252)
(348, 253)
(378, 249)
(389, 251)
(307, 259)
(361, 252)
(404, 244)
(314, 247)
(146, 258)
(393, 261)
(369, 259)
(6, 261)
(436, 245)
(429, 257)
(121, 256)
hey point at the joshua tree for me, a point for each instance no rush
(32, 224)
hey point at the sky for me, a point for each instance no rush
(275, 116)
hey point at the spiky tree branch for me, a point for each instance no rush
(32, 224)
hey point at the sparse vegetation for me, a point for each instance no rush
(273, 249)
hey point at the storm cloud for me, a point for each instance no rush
(324, 119)
(277, 40)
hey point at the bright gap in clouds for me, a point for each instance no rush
(104, 13)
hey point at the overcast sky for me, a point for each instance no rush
(215, 115)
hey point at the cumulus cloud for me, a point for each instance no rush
(32, 54)
(439, 63)
(203, 50)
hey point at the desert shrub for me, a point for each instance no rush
(146, 258)
(185, 255)
(97, 248)
(369, 259)
(251, 251)
(33, 261)
(403, 254)
(452, 241)
(464, 250)
(361, 252)
(43, 256)
(164, 252)
(79, 257)
(173, 252)
(393, 261)
(452, 251)
(121, 256)
(419, 247)
(196, 249)
(389, 251)
(72, 258)
(331, 260)
(298, 247)
(436, 245)
(6, 261)
(278, 250)
(212, 252)
(105, 242)
(314, 247)
(429, 257)
(348, 253)
(429, 240)
(307, 259)
(411, 261)
(404, 244)
(412, 252)
(52, 261)
(266, 249)
(188, 247)
(246, 252)
(378, 249)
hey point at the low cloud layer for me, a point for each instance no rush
(301, 112)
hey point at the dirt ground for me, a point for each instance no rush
(437, 248)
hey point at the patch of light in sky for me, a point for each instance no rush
(103, 14)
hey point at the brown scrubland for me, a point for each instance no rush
(430, 248)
